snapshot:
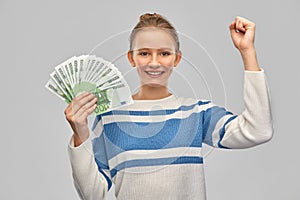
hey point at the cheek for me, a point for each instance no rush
(168, 62)
(140, 70)
(141, 62)
(170, 69)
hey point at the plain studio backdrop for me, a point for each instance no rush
(38, 35)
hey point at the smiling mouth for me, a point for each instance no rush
(154, 73)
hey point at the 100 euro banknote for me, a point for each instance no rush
(90, 74)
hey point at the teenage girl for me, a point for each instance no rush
(151, 149)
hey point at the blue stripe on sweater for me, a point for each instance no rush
(108, 180)
(157, 162)
(98, 118)
(211, 118)
(96, 121)
(125, 136)
(100, 154)
(154, 112)
(222, 131)
(118, 137)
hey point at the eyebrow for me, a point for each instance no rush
(160, 49)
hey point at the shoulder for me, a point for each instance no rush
(171, 103)
(190, 100)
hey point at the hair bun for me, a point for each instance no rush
(147, 16)
(156, 21)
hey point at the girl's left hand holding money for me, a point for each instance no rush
(243, 34)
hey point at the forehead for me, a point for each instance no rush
(155, 38)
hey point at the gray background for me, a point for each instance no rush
(37, 35)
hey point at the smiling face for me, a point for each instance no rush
(154, 54)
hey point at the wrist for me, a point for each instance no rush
(250, 59)
(78, 140)
(247, 51)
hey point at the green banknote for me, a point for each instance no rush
(90, 74)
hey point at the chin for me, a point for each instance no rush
(156, 85)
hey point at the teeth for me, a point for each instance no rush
(154, 73)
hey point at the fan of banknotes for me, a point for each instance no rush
(92, 74)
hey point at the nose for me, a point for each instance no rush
(154, 62)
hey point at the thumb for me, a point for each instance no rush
(232, 28)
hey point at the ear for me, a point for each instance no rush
(178, 58)
(130, 58)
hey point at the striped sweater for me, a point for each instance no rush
(152, 149)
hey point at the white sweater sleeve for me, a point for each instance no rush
(254, 125)
(89, 182)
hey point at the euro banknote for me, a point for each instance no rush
(89, 73)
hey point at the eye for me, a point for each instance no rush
(165, 53)
(143, 53)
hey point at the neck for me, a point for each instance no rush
(151, 93)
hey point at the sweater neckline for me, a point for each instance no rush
(155, 100)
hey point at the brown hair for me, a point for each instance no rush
(157, 21)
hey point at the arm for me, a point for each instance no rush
(90, 181)
(254, 125)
